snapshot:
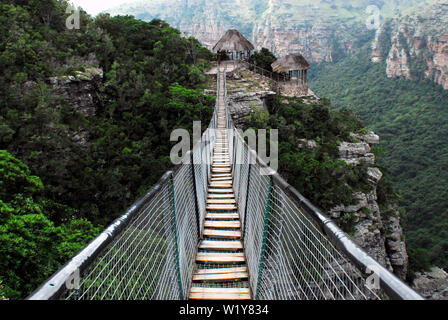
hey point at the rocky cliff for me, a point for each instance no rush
(415, 46)
(315, 28)
(376, 230)
(81, 92)
(432, 284)
(412, 38)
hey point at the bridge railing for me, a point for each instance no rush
(293, 251)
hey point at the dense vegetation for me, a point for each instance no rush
(316, 171)
(263, 59)
(412, 120)
(56, 192)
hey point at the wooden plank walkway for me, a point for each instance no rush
(221, 263)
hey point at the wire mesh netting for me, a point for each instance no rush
(288, 257)
(141, 262)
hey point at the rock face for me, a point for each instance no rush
(432, 285)
(416, 44)
(243, 104)
(80, 91)
(317, 29)
(412, 39)
(377, 231)
(398, 61)
(354, 153)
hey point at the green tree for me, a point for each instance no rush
(263, 59)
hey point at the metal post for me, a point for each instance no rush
(247, 194)
(265, 233)
(179, 276)
(196, 200)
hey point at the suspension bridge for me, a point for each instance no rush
(216, 228)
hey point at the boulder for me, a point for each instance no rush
(432, 284)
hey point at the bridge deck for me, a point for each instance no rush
(222, 271)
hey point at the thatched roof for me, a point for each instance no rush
(233, 41)
(290, 62)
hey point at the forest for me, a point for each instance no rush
(57, 193)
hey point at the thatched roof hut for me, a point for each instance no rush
(233, 41)
(289, 63)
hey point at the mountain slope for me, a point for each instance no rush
(413, 35)
(282, 26)
(412, 120)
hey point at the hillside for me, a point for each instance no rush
(411, 118)
(308, 26)
(411, 36)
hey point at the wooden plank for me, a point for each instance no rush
(228, 190)
(222, 175)
(221, 207)
(220, 290)
(222, 182)
(220, 185)
(221, 201)
(221, 277)
(221, 270)
(220, 258)
(220, 196)
(221, 233)
(220, 245)
(221, 170)
(223, 216)
(222, 224)
(219, 296)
